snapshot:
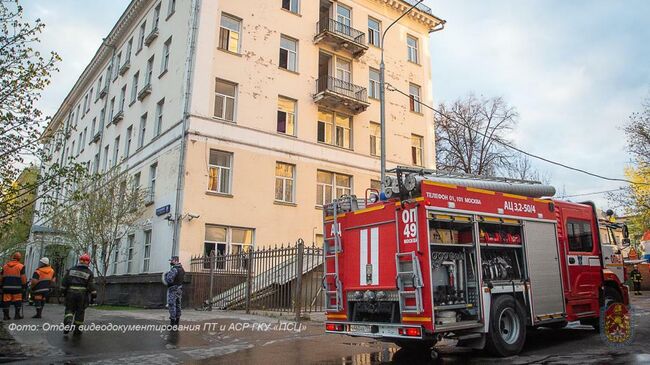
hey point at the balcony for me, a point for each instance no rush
(97, 135)
(152, 35)
(341, 95)
(118, 117)
(341, 37)
(125, 67)
(146, 90)
(103, 92)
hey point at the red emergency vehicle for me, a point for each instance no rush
(474, 259)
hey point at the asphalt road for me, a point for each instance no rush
(234, 338)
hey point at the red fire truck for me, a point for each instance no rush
(473, 259)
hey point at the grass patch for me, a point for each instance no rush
(115, 308)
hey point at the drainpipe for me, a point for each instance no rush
(189, 73)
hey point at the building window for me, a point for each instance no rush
(374, 32)
(375, 185)
(116, 66)
(156, 18)
(129, 47)
(116, 256)
(375, 139)
(159, 117)
(416, 150)
(220, 169)
(224, 103)
(96, 163)
(414, 98)
(127, 144)
(334, 129)
(241, 242)
(228, 241)
(122, 97)
(147, 80)
(106, 150)
(136, 180)
(291, 5)
(116, 151)
(288, 53)
(153, 169)
(286, 116)
(344, 17)
(164, 65)
(171, 8)
(373, 84)
(143, 28)
(130, 240)
(134, 87)
(412, 45)
(579, 236)
(229, 34)
(284, 182)
(99, 87)
(147, 250)
(343, 69)
(111, 110)
(143, 130)
(331, 185)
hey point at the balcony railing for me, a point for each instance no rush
(341, 36)
(338, 94)
(420, 7)
(125, 67)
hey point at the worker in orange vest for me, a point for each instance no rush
(42, 281)
(14, 283)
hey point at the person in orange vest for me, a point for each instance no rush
(14, 283)
(42, 281)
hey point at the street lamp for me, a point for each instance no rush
(382, 93)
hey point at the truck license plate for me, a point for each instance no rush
(359, 328)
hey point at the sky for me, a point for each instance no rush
(574, 70)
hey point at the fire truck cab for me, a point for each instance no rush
(465, 258)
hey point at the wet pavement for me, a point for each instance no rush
(234, 338)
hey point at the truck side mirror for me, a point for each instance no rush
(626, 232)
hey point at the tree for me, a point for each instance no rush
(24, 73)
(17, 228)
(97, 215)
(471, 134)
(521, 168)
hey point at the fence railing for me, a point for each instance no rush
(341, 29)
(338, 86)
(420, 6)
(286, 279)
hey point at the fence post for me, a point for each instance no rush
(211, 279)
(298, 294)
(249, 279)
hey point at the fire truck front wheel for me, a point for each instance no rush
(507, 331)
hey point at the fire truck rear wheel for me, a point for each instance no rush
(507, 331)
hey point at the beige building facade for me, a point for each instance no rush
(269, 109)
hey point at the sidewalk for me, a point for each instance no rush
(205, 335)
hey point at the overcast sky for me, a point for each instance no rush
(575, 70)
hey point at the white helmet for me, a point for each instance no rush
(45, 261)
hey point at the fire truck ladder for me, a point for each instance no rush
(409, 276)
(331, 252)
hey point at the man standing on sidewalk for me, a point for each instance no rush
(41, 283)
(77, 285)
(174, 280)
(14, 283)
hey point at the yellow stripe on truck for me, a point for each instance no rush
(416, 319)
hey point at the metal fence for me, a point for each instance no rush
(286, 279)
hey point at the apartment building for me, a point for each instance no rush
(242, 118)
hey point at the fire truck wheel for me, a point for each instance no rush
(507, 327)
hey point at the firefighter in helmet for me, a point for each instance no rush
(14, 284)
(636, 277)
(42, 281)
(78, 287)
(174, 280)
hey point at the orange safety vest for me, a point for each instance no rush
(42, 280)
(13, 277)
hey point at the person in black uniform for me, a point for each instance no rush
(77, 286)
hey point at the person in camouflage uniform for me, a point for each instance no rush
(174, 281)
(636, 277)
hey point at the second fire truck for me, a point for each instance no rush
(473, 259)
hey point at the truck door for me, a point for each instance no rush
(583, 261)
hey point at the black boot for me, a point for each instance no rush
(6, 317)
(17, 314)
(39, 311)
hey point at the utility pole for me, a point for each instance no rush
(382, 92)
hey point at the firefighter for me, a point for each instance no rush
(42, 281)
(77, 286)
(14, 284)
(636, 277)
(174, 280)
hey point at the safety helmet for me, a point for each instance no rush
(17, 256)
(44, 261)
(84, 258)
